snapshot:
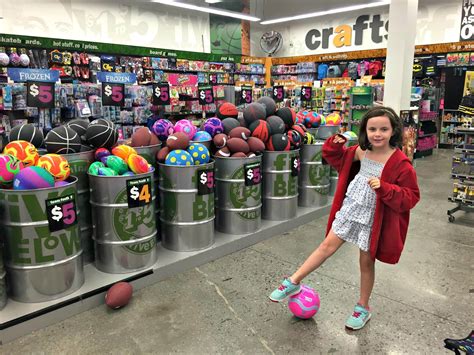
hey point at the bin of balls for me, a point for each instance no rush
(123, 210)
(186, 191)
(39, 222)
(3, 281)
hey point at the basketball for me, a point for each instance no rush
(227, 110)
(27, 132)
(187, 127)
(260, 129)
(32, 177)
(305, 304)
(213, 126)
(179, 157)
(276, 124)
(141, 137)
(254, 112)
(162, 129)
(138, 164)
(287, 115)
(123, 151)
(278, 142)
(102, 133)
(63, 140)
(269, 104)
(79, 125)
(199, 153)
(24, 151)
(56, 165)
(9, 167)
(116, 163)
(229, 124)
(101, 153)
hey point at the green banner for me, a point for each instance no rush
(10, 40)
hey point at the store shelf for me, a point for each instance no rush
(464, 150)
(465, 131)
(18, 319)
(462, 200)
(462, 177)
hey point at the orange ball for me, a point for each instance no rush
(138, 164)
(123, 151)
(24, 151)
(56, 165)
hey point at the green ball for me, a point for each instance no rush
(106, 172)
(117, 164)
(94, 168)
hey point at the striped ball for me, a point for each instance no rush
(102, 133)
(27, 132)
(33, 177)
(63, 140)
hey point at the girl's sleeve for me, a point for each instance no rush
(403, 195)
(333, 152)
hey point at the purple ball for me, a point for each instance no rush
(213, 126)
(162, 129)
(202, 136)
(187, 127)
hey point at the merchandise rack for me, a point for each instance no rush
(18, 319)
(464, 203)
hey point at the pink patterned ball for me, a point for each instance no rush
(187, 127)
(305, 304)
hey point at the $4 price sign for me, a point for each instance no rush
(246, 95)
(205, 180)
(161, 94)
(40, 94)
(278, 93)
(253, 174)
(295, 166)
(61, 212)
(139, 192)
(306, 93)
(113, 94)
(206, 95)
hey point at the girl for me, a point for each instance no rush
(377, 187)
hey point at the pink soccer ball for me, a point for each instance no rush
(186, 127)
(305, 304)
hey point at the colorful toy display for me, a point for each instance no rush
(56, 165)
(24, 151)
(305, 304)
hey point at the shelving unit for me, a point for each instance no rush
(450, 122)
(361, 100)
(463, 172)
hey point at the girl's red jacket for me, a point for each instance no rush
(398, 193)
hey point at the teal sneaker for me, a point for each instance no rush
(359, 318)
(286, 289)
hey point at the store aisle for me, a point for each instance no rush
(222, 307)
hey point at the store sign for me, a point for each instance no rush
(117, 78)
(205, 181)
(278, 93)
(139, 192)
(161, 94)
(246, 95)
(205, 95)
(21, 75)
(306, 93)
(253, 174)
(40, 94)
(467, 21)
(113, 94)
(348, 35)
(61, 213)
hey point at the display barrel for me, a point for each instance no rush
(3, 281)
(42, 243)
(333, 178)
(79, 164)
(324, 132)
(313, 180)
(280, 184)
(124, 222)
(186, 206)
(239, 194)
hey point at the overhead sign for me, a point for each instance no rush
(22, 75)
(117, 78)
(467, 21)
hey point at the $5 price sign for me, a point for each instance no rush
(61, 213)
(206, 95)
(253, 174)
(246, 95)
(306, 93)
(295, 166)
(161, 94)
(113, 94)
(40, 94)
(205, 179)
(139, 192)
(278, 93)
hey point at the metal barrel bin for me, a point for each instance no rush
(324, 132)
(239, 194)
(3, 281)
(333, 178)
(280, 184)
(186, 206)
(124, 222)
(313, 180)
(79, 164)
(42, 243)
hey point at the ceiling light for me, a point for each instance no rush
(328, 12)
(210, 10)
(213, 1)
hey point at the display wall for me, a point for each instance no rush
(438, 22)
(120, 22)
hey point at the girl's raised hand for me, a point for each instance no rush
(338, 139)
(374, 183)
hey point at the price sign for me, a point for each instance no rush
(253, 174)
(206, 95)
(306, 93)
(61, 212)
(246, 95)
(205, 181)
(40, 94)
(139, 192)
(113, 94)
(278, 93)
(295, 166)
(161, 94)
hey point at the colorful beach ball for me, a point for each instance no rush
(334, 119)
(199, 153)
(179, 157)
(32, 177)
(24, 151)
(202, 136)
(56, 165)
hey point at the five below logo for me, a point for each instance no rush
(346, 35)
